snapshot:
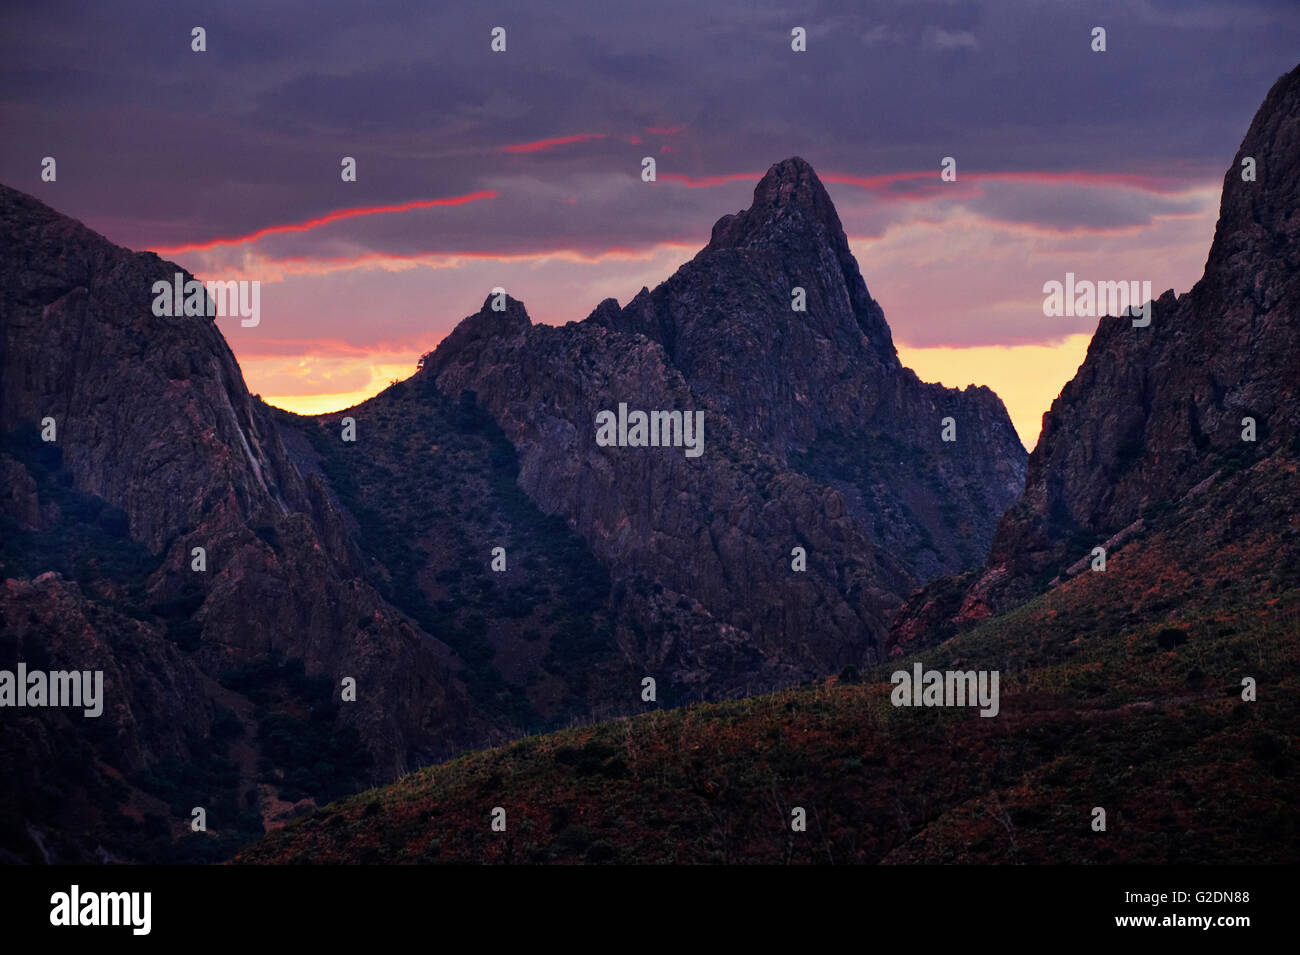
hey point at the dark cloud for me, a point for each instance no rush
(169, 145)
(159, 146)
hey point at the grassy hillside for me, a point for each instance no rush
(1119, 689)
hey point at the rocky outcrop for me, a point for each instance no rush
(718, 528)
(371, 560)
(1155, 411)
(815, 437)
(823, 390)
(152, 416)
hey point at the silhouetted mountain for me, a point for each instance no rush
(160, 449)
(1156, 415)
(372, 560)
(1149, 691)
(823, 390)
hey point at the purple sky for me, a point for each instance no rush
(1105, 164)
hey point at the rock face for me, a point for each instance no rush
(822, 389)
(374, 560)
(713, 533)
(815, 437)
(1155, 412)
(153, 420)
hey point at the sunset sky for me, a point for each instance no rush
(522, 169)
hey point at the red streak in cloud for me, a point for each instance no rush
(929, 183)
(313, 264)
(1160, 184)
(326, 219)
(664, 130)
(541, 145)
(706, 182)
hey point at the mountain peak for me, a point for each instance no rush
(789, 195)
(793, 219)
(504, 309)
(1255, 238)
(507, 323)
(791, 180)
(1156, 415)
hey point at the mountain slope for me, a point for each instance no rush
(160, 449)
(716, 530)
(689, 558)
(788, 461)
(1155, 412)
(1150, 690)
(1115, 693)
(372, 560)
(322, 565)
(823, 389)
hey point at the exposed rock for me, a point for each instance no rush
(815, 437)
(823, 390)
(153, 417)
(719, 527)
(1154, 412)
(625, 562)
(20, 502)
